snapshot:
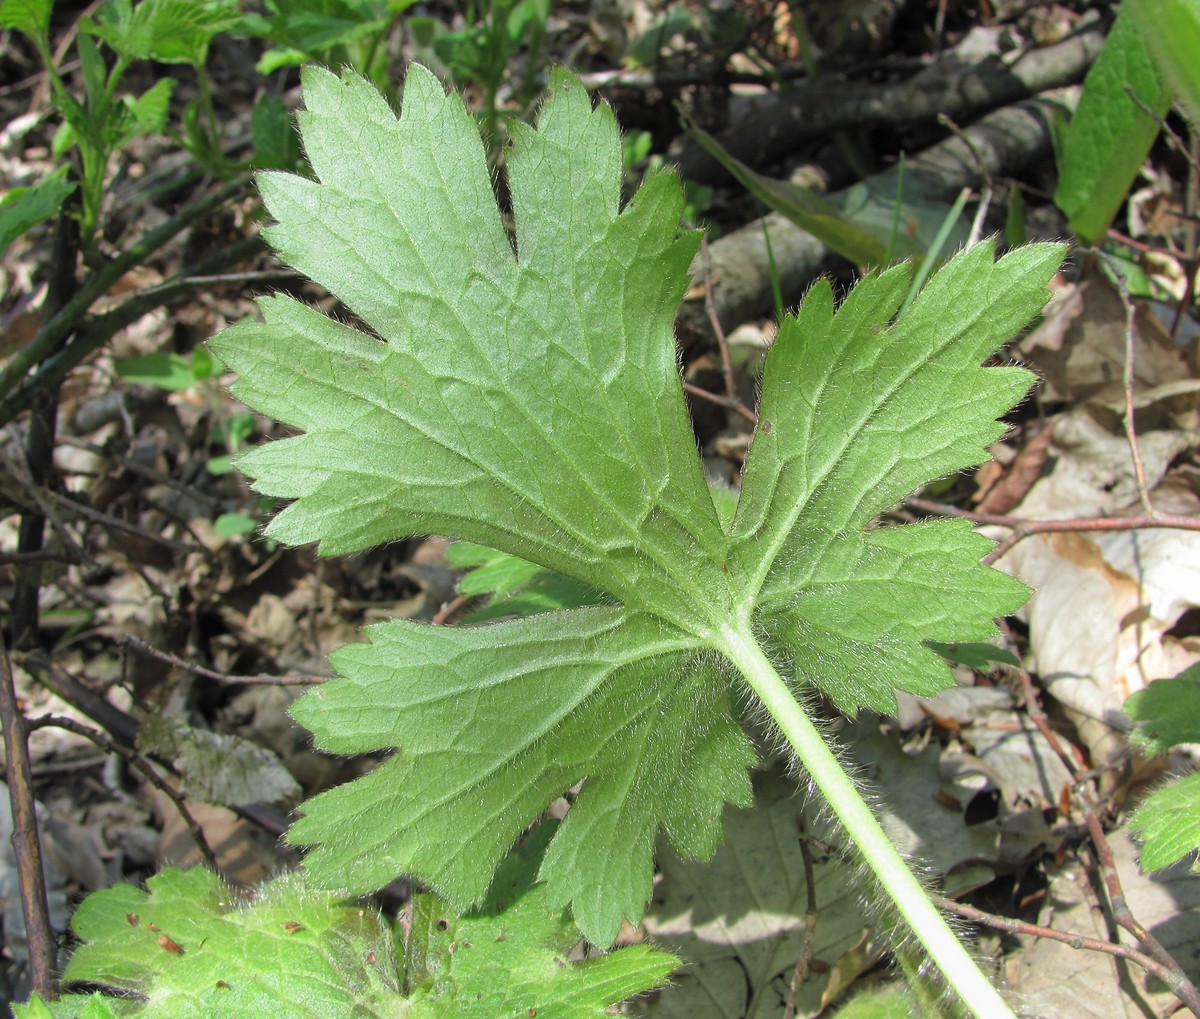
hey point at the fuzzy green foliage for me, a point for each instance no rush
(523, 393)
(189, 948)
(1167, 714)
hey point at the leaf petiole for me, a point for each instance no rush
(878, 850)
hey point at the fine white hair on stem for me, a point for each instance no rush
(876, 904)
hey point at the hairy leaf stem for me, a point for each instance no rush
(861, 824)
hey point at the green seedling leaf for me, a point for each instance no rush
(1167, 714)
(980, 657)
(1171, 31)
(169, 31)
(512, 586)
(172, 372)
(204, 365)
(24, 208)
(803, 206)
(190, 947)
(229, 525)
(149, 110)
(95, 71)
(133, 117)
(1110, 133)
(524, 394)
(312, 30)
(30, 17)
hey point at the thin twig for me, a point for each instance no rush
(1180, 985)
(1191, 200)
(259, 679)
(1167, 969)
(124, 727)
(139, 762)
(734, 405)
(189, 281)
(84, 510)
(1023, 528)
(810, 923)
(628, 78)
(1164, 126)
(31, 488)
(27, 847)
(41, 556)
(981, 211)
(1071, 938)
(710, 309)
(449, 608)
(39, 440)
(980, 163)
(1135, 451)
(1038, 716)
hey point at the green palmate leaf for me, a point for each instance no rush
(30, 17)
(189, 946)
(524, 394)
(169, 31)
(598, 693)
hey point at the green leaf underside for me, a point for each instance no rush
(330, 957)
(529, 400)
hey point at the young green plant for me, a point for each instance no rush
(523, 393)
(191, 947)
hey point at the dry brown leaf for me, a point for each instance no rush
(1014, 483)
(1079, 348)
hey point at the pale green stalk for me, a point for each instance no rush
(880, 854)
